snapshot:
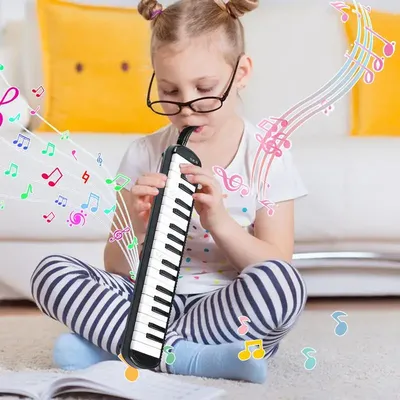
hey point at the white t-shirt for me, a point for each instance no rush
(204, 268)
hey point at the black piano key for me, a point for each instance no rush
(163, 290)
(173, 249)
(177, 229)
(169, 264)
(162, 301)
(183, 176)
(175, 239)
(183, 204)
(167, 275)
(185, 188)
(158, 311)
(156, 327)
(180, 214)
(155, 338)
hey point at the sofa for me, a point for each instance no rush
(347, 229)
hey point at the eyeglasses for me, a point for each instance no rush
(200, 105)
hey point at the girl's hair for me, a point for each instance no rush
(192, 18)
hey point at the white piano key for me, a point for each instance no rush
(166, 221)
(149, 300)
(146, 349)
(158, 266)
(164, 239)
(145, 309)
(160, 280)
(144, 328)
(177, 179)
(182, 223)
(171, 203)
(163, 280)
(141, 337)
(152, 291)
(164, 227)
(161, 252)
(147, 319)
(174, 192)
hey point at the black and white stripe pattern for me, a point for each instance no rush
(95, 304)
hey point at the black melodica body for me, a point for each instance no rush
(160, 260)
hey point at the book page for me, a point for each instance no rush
(108, 377)
(29, 384)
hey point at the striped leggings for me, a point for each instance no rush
(94, 304)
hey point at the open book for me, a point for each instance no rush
(105, 379)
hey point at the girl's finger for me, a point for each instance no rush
(203, 180)
(203, 198)
(139, 190)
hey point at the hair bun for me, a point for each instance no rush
(237, 8)
(146, 8)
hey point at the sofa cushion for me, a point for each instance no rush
(374, 107)
(92, 71)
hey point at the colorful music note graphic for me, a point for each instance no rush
(341, 327)
(112, 209)
(4, 100)
(329, 109)
(339, 5)
(1, 67)
(117, 188)
(49, 217)
(47, 176)
(39, 91)
(378, 63)
(85, 177)
(33, 112)
(170, 358)
(132, 276)
(12, 170)
(269, 205)
(99, 160)
(133, 244)
(118, 234)
(311, 362)
(131, 374)
(243, 328)
(233, 183)
(16, 118)
(2, 205)
(76, 218)
(271, 146)
(61, 201)
(21, 140)
(257, 354)
(73, 154)
(273, 126)
(94, 197)
(65, 135)
(26, 194)
(369, 75)
(388, 48)
(49, 146)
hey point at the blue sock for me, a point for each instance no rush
(216, 361)
(72, 352)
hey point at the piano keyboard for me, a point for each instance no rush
(160, 263)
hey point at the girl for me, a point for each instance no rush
(237, 257)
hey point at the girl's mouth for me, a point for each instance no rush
(199, 129)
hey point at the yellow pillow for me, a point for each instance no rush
(375, 107)
(96, 68)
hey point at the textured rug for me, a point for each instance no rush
(362, 364)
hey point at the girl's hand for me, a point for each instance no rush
(208, 200)
(143, 193)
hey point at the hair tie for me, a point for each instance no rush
(222, 5)
(155, 13)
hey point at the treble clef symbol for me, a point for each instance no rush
(117, 235)
(233, 183)
(4, 100)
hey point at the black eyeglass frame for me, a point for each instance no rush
(189, 103)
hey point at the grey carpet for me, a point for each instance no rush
(364, 364)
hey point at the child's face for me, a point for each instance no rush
(193, 70)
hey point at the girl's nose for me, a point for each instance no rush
(186, 111)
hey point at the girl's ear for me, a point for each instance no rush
(245, 69)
